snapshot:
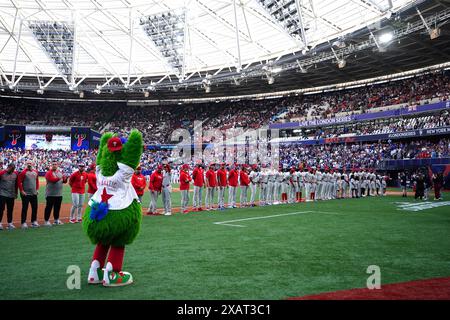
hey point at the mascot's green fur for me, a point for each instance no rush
(119, 227)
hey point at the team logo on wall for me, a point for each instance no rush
(80, 137)
(15, 135)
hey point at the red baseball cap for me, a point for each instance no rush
(114, 144)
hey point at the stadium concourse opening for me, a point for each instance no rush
(300, 153)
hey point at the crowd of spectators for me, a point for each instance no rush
(361, 155)
(355, 155)
(379, 126)
(158, 122)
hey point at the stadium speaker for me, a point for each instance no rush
(435, 33)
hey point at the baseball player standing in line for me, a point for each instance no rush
(307, 181)
(53, 194)
(254, 180)
(211, 184)
(300, 178)
(245, 182)
(167, 190)
(185, 178)
(222, 184)
(8, 193)
(198, 176)
(77, 182)
(263, 181)
(91, 181)
(155, 188)
(233, 177)
(271, 176)
(138, 182)
(320, 185)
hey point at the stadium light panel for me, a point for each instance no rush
(386, 37)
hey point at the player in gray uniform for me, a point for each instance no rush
(8, 193)
(167, 190)
(271, 186)
(307, 181)
(263, 188)
(320, 185)
(383, 185)
(345, 185)
(254, 181)
(293, 185)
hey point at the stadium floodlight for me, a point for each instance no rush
(270, 79)
(97, 91)
(206, 83)
(151, 87)
(342, 63)
(386, 37)
(286, 13)
(40, 91)
(57, 40)
(146, 94)
(166, 30)
(81, 94)
(435, 33)
(276, 70)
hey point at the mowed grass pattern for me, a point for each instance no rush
(190, 257)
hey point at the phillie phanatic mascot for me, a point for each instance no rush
(113, 216)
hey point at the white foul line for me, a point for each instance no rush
(226, 223)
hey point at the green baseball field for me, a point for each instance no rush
(273, 252)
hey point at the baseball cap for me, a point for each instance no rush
(114, 144)
(81, 164)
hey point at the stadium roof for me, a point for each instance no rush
(176, 48)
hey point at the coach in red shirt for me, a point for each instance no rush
(222, 184)
(91, 181)
(138, 182)
(185, 179)
(245, 182)
(211, 185)
(77, 182)
(155, 187)
(232, 183)
(198, 175)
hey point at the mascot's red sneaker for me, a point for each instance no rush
(113, 278)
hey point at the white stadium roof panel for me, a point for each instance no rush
(110, 41)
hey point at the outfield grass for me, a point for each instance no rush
(189, 257)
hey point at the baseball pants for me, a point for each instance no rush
(263, 194)
(153, 201)
(209, 199)
(77, 206)
(243, 197)
(291, 195)
(308, 191)
(197, 201)
(184, 199)
(232, 197)
(252, 193)
(221, 197)
(166, 199)
(276, 192)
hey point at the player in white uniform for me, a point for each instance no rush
(263, 181)
(270, 186)
(293, 185)
(319, 186)
(300, 179)
(279, 185)
(383, 185)
(254, 181)
(307, 180)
